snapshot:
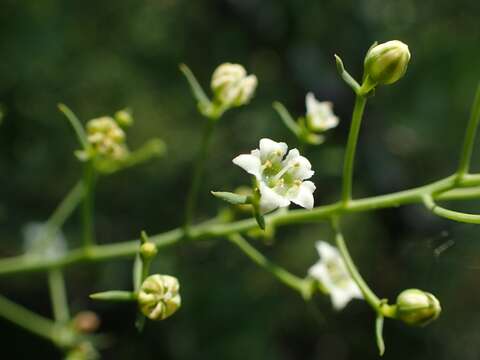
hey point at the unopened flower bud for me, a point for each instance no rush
(106, 137)
(159, 296)
(417, 307)
(124, 118)
(232, 86)
(86, 322)
(386, 63)
(148, 250)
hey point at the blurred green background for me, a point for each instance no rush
(100, 56)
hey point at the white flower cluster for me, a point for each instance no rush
(320, 116)
(106, 137)
(331, 272)
(232, 86)
(280, 179)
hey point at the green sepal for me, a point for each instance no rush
(232, 198)
(115, 296)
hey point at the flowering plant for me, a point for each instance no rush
(280, 177)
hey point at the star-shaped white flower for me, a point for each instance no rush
(320, 116)
(280, 179)
(333, 275)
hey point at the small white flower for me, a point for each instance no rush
(320, 116)
(106, 137)
(232, 86)
(280, 179)
(40, 241)
(333, 275)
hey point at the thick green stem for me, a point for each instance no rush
(303, 286)
(348, 165)
(467, 148)
(211, 230)
(88, 205)
(368, 294)
(58, 296)
(197, 175)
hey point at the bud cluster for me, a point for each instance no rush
(231, 85)
(107, 138)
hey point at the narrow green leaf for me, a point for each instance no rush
(197, 89)
(114, 295)
(379, 334)
(232, 198)
(76, 125)
(287, 118)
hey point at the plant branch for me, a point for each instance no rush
(348, 166)
(58, 295)
(470, 132)
(303, 286)
(211, 230)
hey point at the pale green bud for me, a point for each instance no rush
(232, 86)
(417, 307)
(148, 250)
(159, 296)
(386, 63)
(124, 118)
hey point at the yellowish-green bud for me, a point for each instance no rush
(148, 250)
(159, 296)
(107, 138)
(231, 85)
(416, 307)
(124, 118)
(386, 63)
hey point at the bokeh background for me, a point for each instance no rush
(100, 56)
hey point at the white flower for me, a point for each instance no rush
(232, 86)
(280, 179)
(43, 242)
(320, 116)
(106, 137)
(333, 275)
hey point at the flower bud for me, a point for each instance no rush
(417, 307)
(159, 296)
(232, 86)
(148, 250)
(86, 322)
(386, 63)
(106, 137)
(124, 118)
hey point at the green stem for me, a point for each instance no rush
(88, 205)
(212, 230)
(360, 102)
(58, 296)
(467, 149)
(303, 286)
(27, 319)
(450, 214)
(368, 294)
(197, 175)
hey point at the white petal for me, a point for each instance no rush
(304, 196)
(340, 298)
(250, 163)
(301, 168)
(270, 200)
(270, 148)
(327, 251)
(311, 103)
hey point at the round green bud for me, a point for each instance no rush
(416, 307)
(148, 250)
(124, 118)
(159, 296)
(386, 63)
